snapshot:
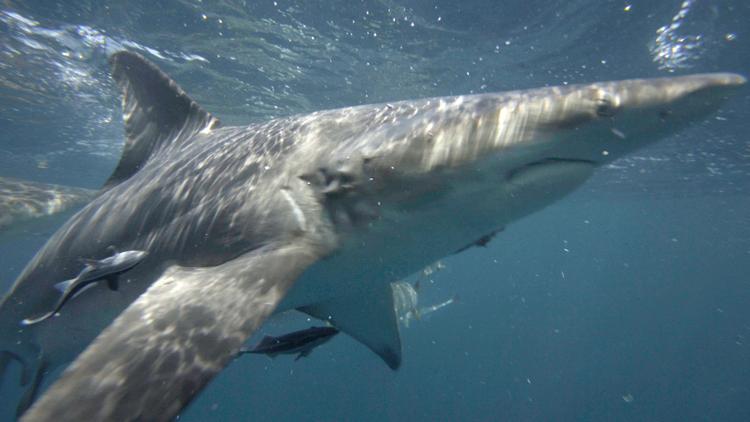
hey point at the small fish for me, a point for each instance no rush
(300, 342)
(95, 270)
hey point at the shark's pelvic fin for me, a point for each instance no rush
(32, 389)
(156, 112)
(197, 320)
(370, 319)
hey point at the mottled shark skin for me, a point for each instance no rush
(23, 200)
(317, 212)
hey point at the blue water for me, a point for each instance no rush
(628, 300)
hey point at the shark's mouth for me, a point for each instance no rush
(547, 164)
(535, 183)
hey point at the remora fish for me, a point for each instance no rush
(22, 200)
(108, 269)
(317, 212)
(300, 343)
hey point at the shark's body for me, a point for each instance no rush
(300, 343)
(23, 200)
(338, 204)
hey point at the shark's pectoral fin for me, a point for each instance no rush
(157, 112)
(167, 345)
(371, 319)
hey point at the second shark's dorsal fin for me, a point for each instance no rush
(156, 112)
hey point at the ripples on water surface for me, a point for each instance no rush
(252, 60)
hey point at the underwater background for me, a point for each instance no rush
(628, 300)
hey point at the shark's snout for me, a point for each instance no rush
(727, 79)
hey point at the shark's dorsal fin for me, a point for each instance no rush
(156, 112)
(371, 319)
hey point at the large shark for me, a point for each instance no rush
(317, 212)
(23, 200)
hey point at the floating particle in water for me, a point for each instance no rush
(628, 398)
(674, 49)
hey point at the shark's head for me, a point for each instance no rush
(534, 145)
(604, 121)
(597, 122)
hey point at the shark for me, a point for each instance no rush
(316, 212)
(24, 200)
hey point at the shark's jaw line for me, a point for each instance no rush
(342, 202)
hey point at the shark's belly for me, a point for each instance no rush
(404, 243)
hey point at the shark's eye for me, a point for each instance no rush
(605, 107)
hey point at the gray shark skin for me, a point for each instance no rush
(300, 343)
(316, 212)
(22, 200)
